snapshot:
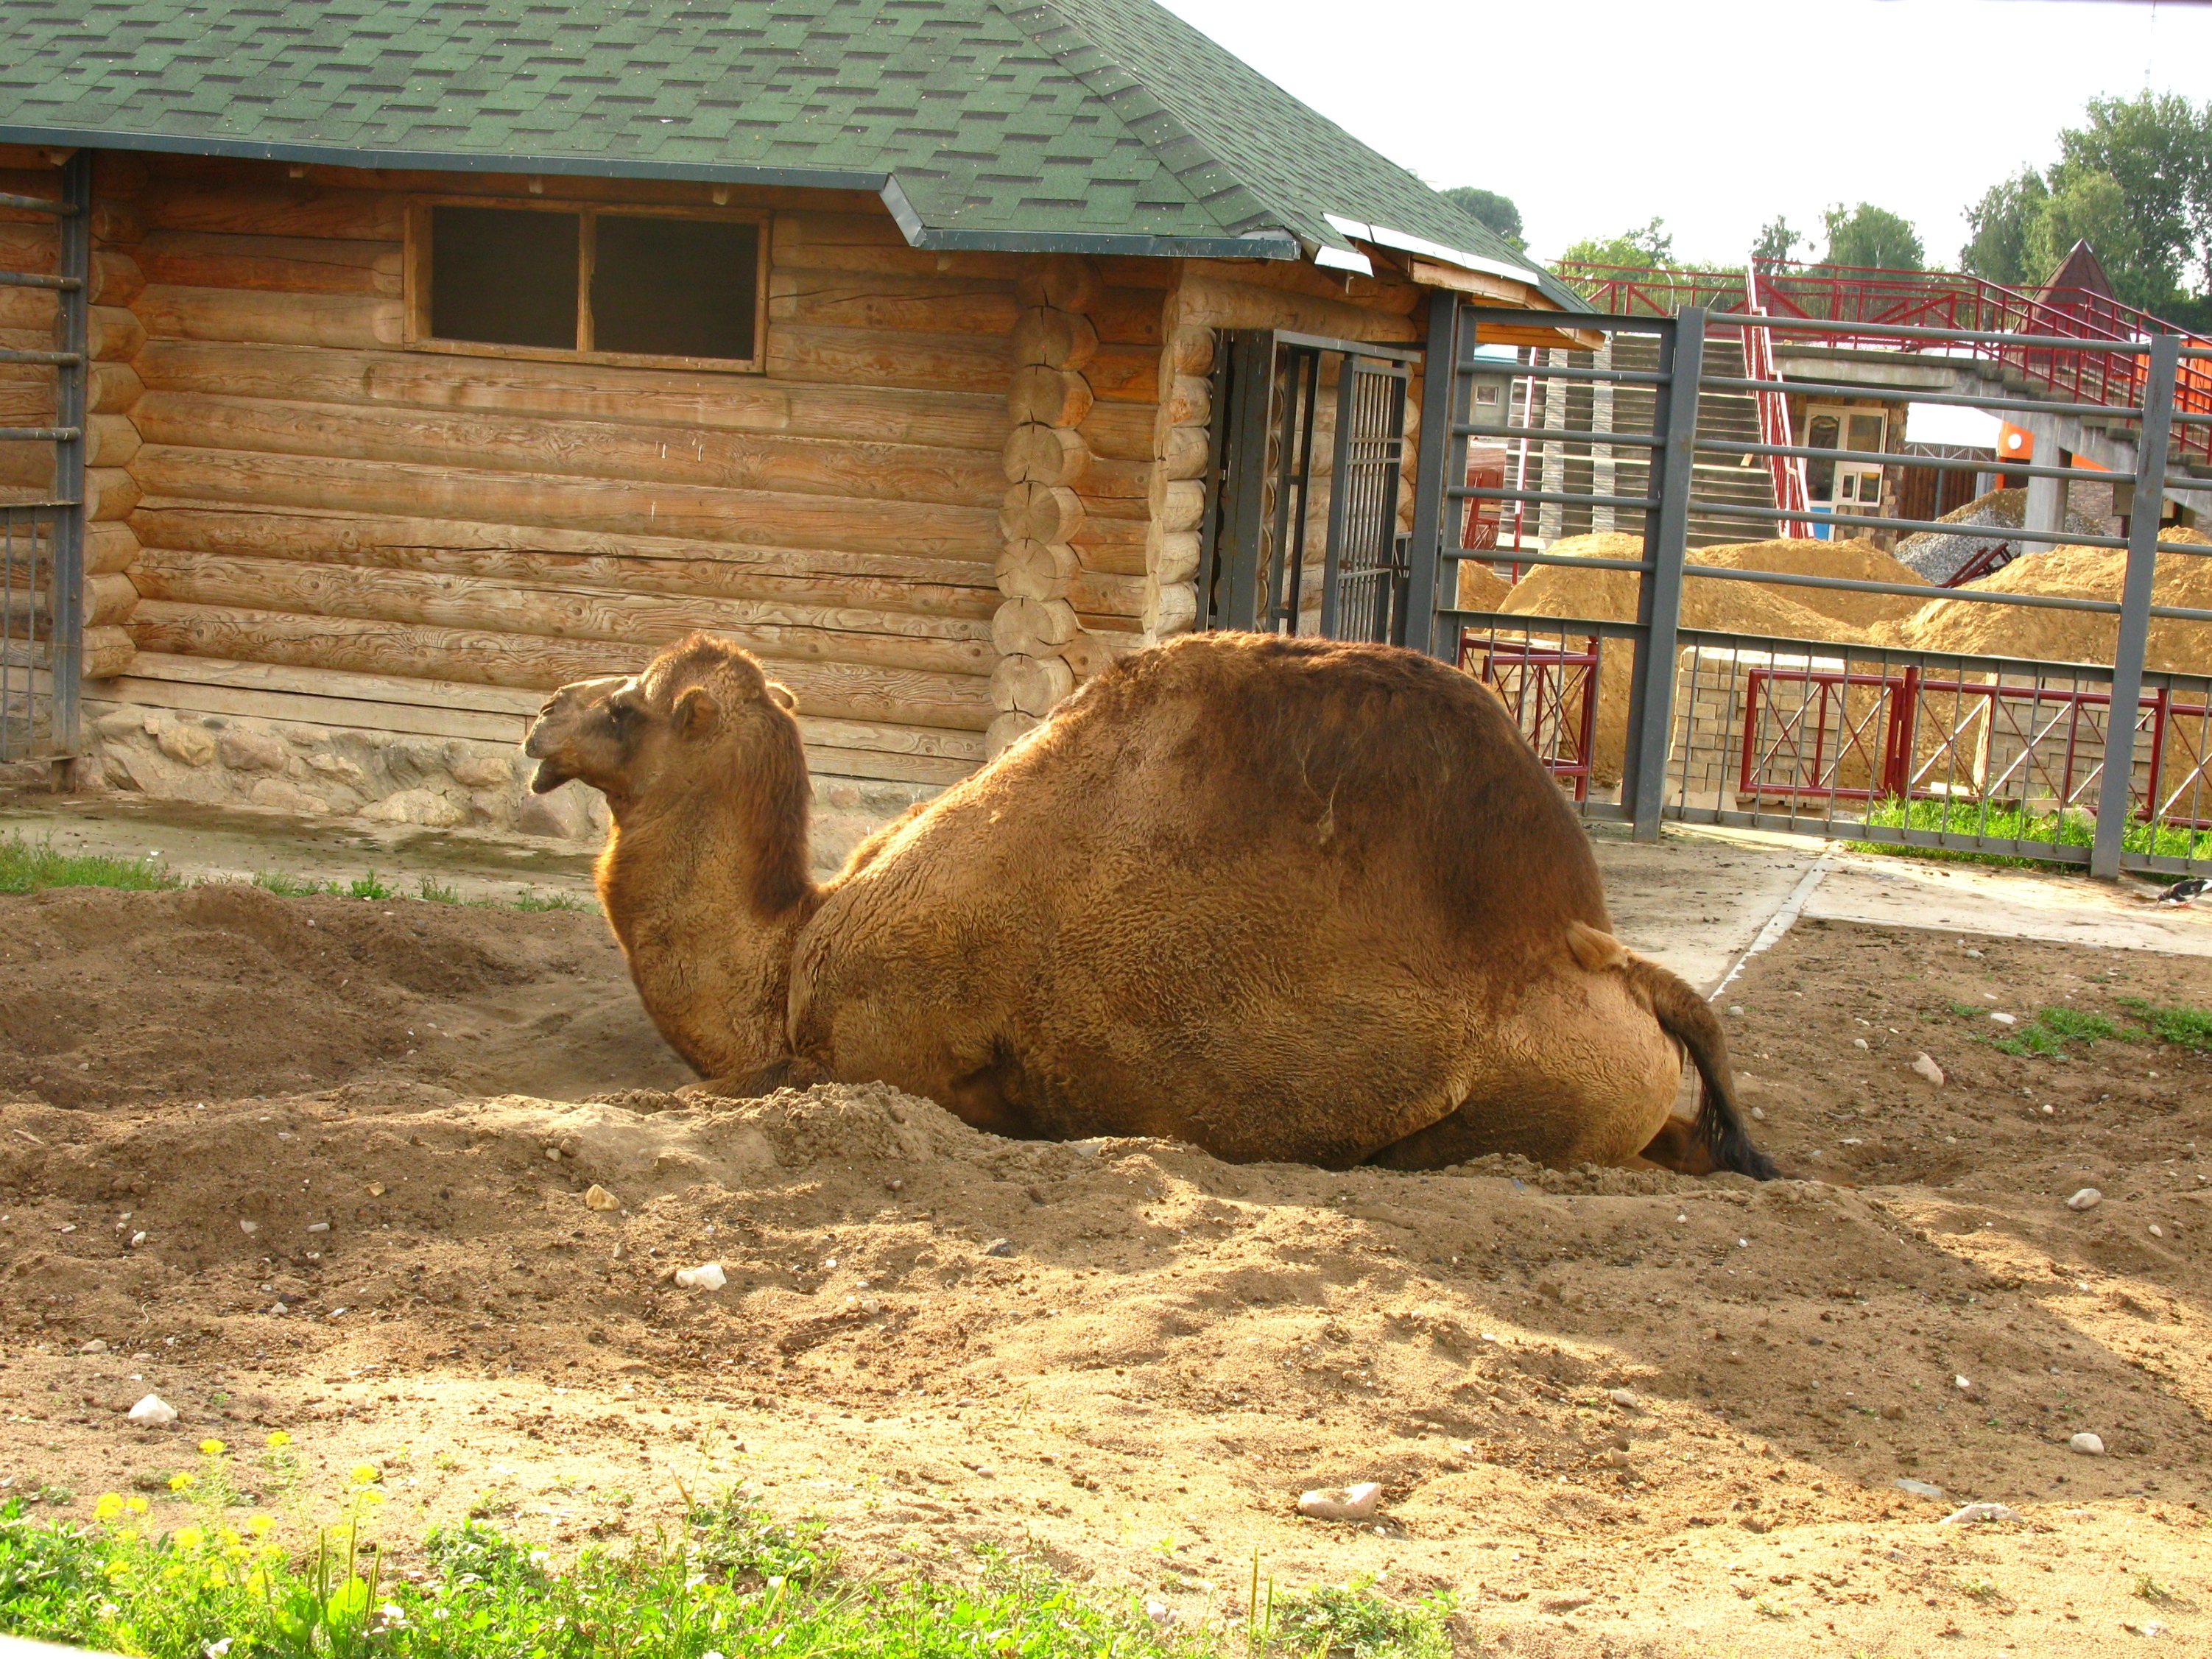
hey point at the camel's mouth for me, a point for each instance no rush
(547, 778)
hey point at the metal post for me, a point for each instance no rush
(65, 661)
(1340, 499)
(1659, 602)
(1442, 384)
(2117, 784)
(1252, 386)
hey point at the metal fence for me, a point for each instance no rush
(1643, 718)
(41, 524)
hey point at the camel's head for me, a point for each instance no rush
(626, 735)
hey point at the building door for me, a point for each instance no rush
(1851, 488)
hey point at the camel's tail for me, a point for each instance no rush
(1688, 1019)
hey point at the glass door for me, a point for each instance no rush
(1852, 487)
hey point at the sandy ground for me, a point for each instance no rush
(224, 1101)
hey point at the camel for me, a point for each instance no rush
(1286, 899)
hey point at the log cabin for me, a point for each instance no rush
(444, 353)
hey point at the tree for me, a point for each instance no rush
(2007, 245)
(1777, 240)
(1874, 238)
(2092, 208)
(2158, 149)
(1497, 211)
(1649, 248)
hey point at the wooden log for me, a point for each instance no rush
(1066, 281)
(1177, 503)
(109, 548)
(844, 690)
(1048, 397)
(1090, 653)
(109, 493)
(114, 221)
(1188, 402)
(29, 311)
(1215, 300)
(31, 246)
(896, 259)
(760, 517)
(1189, 350)
(116, 279)
(1029, 684)
(1095, 594)
(1129, 316)
(1043, 512)
(356, 321)
(1104, 543)
(888, 639)
(1054, 339)
(1172, 609)
(653, 397)
(1124, 374)
(108, 599)
(107, 652)
(888, 357)
(1007, 730)
(1184, 453)
(118, 173)
(1038, 570)
(293, 264)
(33, 159)
(112, 388)
(934, 304)
(265, 206)
(1120, 432)
(1037, 453)
(1386, 292)
(1172, 555)
(110, 440)
(1033, 627)
(27, 396)
(843, 468)
(522, 553)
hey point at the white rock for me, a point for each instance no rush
(997, 1247)
(153, 1411)
(319, 1226)
(1859, 1042)
(1736, 1008)
(597, 1197)
(2089, 1445)
(870, 1305)
(93, 1346)
(1626, 1400)
(1929, 1069)
(1918, 1488)
(1353, 1502)
(708, 1276)
(2088, 1198)
(249, 1228)
(1961, 1384)
(1980, 1512)
(1976, 955)
(1158, 1611)
(2004, 1019)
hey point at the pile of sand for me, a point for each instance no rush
(1852, 560)
(2183, 580)
(1481, 588)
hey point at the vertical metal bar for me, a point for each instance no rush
(1444, 395)
(1253, 381)
(1659, 601)
(2151, 439)
(1339, 494)
(65, 659)
(1217, 493)
(1292, 577)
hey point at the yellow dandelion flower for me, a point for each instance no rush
(179, 1482)
(135, 1503)
(278, 1440)
(260, 1524)
(108, 1508)
(212, 1448)
(186, 1538)
(365, 1474)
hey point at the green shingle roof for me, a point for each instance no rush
(1109, 126)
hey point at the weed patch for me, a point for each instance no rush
(1998, 821)
(28, 866)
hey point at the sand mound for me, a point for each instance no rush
(1742, 607)
(1852, 560)
(2183, 580)
(223, 990)
(1481, 588)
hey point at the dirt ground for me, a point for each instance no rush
(293, 1163)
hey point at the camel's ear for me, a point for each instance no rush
(695, 712)
(781, 693)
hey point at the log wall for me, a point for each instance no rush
(305, 492)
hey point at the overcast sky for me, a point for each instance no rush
(1593, 115)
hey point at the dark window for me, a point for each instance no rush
(504, 275)
(674, 288)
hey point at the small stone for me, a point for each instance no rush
(249, 1228)
(190, 744)
(1860, 1042)
(1736, 1010)
(1929, 1069)
(1625, 1399)
(597, 1197)
(870, 1305)
(1353, 1503)
(153, 1411)
(998, 1247)
(2004, 1019)
(1962, 1385)
(708, 1276)
(2088, 1198)
(1918, 1488)
(319, 1226)
(1158, 1611)
(1567, 1602)
(553, 1154)
(252, 751)
(1759, 1114)
(1976, 955)
(93, 1346)
(894, 1186)
(2157, 1231)
(2089, 1445)
(1972, 1512)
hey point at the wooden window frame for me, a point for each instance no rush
(416, 283)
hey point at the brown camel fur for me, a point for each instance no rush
(1286, 899)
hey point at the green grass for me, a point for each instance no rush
(28, 866)
(289, 886)
(1997, 821)
(724, 1580)
(2186, 1027)
(434, 893)
(537, 901)
(2053, 1028)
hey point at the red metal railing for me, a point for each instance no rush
(2107, 369)
(1792, 496)
(1552, 695)
(1819, 741)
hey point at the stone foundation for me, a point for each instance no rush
(392, 778)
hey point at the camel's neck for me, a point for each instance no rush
(706, 916)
